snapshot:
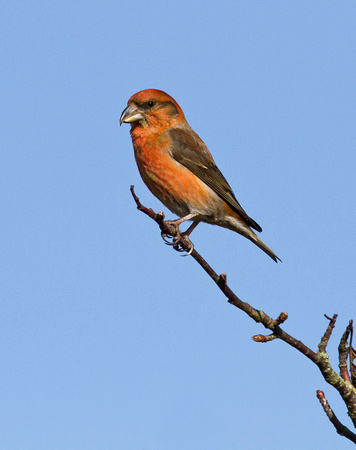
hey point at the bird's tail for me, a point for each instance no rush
(237, 224)
(256, 240)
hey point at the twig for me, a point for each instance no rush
(321, 358)
(344, 353)
(327, 334)
(264, 338)
(340, 428)
(352, 355)
(345, 388)
(257, 315)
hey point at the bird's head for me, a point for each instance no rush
(152, 108)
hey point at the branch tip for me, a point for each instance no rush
(325, 339)
(262, 338)
(281, 318)
(132, 189)
(344, 354)
(340, 428)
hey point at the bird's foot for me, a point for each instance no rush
(175, 239)
(176, 236)
(173, 233)
(189, 246)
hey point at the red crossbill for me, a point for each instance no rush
(179, 170)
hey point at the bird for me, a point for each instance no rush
(179, 170)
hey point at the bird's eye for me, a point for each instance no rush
(150, 103)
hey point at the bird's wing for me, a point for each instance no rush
(189, 150)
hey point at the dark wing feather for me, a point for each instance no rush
(189, 150)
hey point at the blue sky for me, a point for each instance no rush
(111, 340)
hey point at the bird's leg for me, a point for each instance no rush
(177, 222)
(178, 235)
(190, 229)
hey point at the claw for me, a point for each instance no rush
(190, 250)
(178, 249)
(175, 242)
(166, 241)
(181, 250)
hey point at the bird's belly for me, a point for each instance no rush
(177, 187)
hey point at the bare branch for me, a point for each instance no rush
(345, 388)
(344, 353)
(321, 358)
(326, 337)
(257, 315)
(340, 428)
(352, 356)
